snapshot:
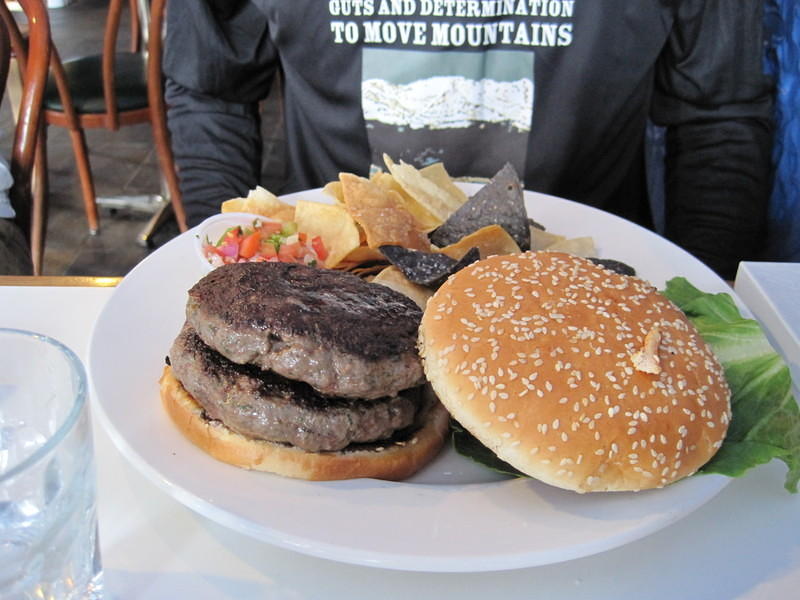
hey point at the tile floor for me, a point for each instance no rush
(123, 163)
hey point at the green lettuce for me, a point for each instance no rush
(766, 418)
(469, 446)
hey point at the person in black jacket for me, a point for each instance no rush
(561, 89)
(15, 256)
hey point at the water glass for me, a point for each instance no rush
(48, 522)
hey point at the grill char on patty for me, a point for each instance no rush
(332, 330)
(264, 405)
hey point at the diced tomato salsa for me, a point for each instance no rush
(265, 241)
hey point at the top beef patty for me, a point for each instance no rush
(332, 330)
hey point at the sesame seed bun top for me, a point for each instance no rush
(580, 377)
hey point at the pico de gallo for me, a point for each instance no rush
(265, 241)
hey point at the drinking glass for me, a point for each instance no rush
(48, 521)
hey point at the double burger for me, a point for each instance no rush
(578, 376)
(304, 372)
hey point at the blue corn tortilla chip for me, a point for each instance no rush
(614, 265)
(499, 202)
(430, 269)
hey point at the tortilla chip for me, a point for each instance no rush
(334, 190)
(363, 254)
(381, 177)
(438, 174)
(262, 202)
(367, 270)
(393, 278)
(535, 226)
(617, 266)
(541, 239)
(333, 224)
(438, 201)
(491, 240)
(379, 212)
(427, 222)
(580, 246)
(500, 202)
(430, 269)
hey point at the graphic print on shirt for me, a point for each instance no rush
(437, 75)
(423, 107)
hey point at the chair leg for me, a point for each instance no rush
(40, 205)
(136, 37)
(169, 177)
(81, 152)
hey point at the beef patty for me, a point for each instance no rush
(332, 330)
(264, 405)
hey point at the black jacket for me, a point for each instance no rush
(561, 89)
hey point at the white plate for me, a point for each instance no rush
(453, 516)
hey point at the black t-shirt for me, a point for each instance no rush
(561, 89)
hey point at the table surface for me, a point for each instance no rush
(744, 543)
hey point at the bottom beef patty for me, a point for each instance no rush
(263, 405)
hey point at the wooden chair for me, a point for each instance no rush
(108, 90)
(32, 56)
(155, 90)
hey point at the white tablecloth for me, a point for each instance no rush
(745, 543)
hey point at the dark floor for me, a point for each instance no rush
(123, 163)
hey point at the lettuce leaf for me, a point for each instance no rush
(469, 446)
(766, 416)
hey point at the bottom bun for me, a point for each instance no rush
(394, 461)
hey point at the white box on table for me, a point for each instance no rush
(771, 291)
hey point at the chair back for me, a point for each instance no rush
(33, 59)
(104, 72)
